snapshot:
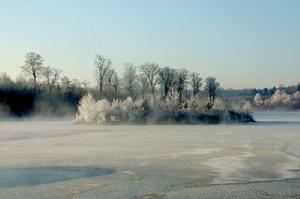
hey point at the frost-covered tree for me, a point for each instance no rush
(211, 86)
(143, 84)
(218, 105)
(195, 83)
(166, 79)
(52, 76)
(279, 99)
(102, 66)
(258, 101)
(33, 67)
(91, 111)
(181, 77)
(129, 79)
(247, 107)
(150, 70)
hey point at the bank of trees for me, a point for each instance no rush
(279, 100)
(46, 86)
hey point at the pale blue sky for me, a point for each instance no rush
(254, 43)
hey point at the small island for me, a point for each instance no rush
(157, 95)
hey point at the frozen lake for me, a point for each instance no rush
(57, 159)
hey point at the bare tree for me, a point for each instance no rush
(211, 86)
(109, 76)
(52, 76)
(102, 66)
(33, 67)
(196, 83)
(109, 84)
(116, 85)
(181, 77)
(143, 84)
(129, 79)
(151, 72)
(166, 78)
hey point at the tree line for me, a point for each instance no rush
(149, 80)
(42, 83)
(146, 80)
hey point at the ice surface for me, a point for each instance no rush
(15, 177)
(162, 161)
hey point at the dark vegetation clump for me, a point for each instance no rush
(18, 102)
(26, 102)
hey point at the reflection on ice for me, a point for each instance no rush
(15, 177)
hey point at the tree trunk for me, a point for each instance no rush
(34, 84)
(100, 89)
(153, 90)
